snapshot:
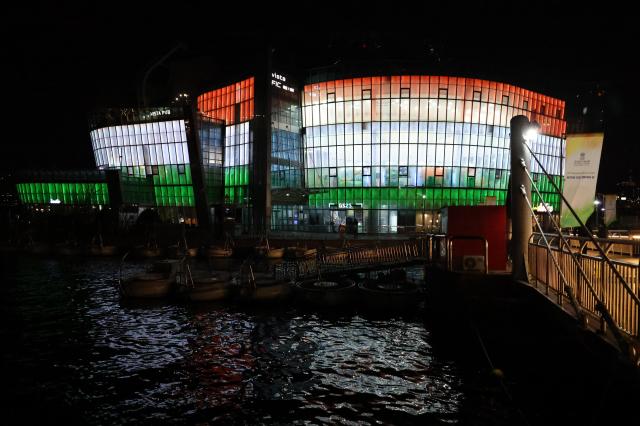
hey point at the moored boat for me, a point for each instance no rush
(209, 288)
(214, 251)
(263, 287)
(155, 283)
(101, 250)
(300, 252)
(68, 249)
(220, 251)
(268, 252)
(148, 251)
(178, 251)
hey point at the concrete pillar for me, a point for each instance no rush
(520, 213)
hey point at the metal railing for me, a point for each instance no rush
(597, 285)
(607, 289)
(354, 258)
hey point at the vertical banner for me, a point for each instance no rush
(581, 176)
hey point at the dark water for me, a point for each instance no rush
(73, 353)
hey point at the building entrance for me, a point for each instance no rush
(352, 215)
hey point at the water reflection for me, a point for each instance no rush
(83, 356)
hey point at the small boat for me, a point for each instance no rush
(155, 283)
(389, 292)
(219, 251)
(300, 252)
(263, 287)
(148, 251)
(178, 251)
(67, 249)
(100, 250)
(224, 251)
(269, 252)
(326, 293)
(38, 248)
(208, 288)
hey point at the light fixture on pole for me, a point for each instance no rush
(596, 203)
(531, 131)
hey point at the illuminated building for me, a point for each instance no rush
(266, 153)
(163, 156)
(392, 150)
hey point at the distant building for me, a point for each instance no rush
(628, 205)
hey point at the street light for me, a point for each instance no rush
(596, 203)
(531, 131)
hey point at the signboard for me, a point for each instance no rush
(345, 205)
(280, 81)
(581, 176)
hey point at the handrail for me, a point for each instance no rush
(590, 235)
(600, 305)
(467, 237)
(582, 255)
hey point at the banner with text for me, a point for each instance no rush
(581, 176)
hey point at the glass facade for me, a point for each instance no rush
(234, 105)
(68, 193)
(387, 151)
(212, 151)
(286, 141)
(150, 155)
(391, 151)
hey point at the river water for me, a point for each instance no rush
(74, 353)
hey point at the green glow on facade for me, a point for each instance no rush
(172, 186)
(66, 193)
(414, 198)
(236, 184)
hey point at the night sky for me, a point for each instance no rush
(62, 61)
